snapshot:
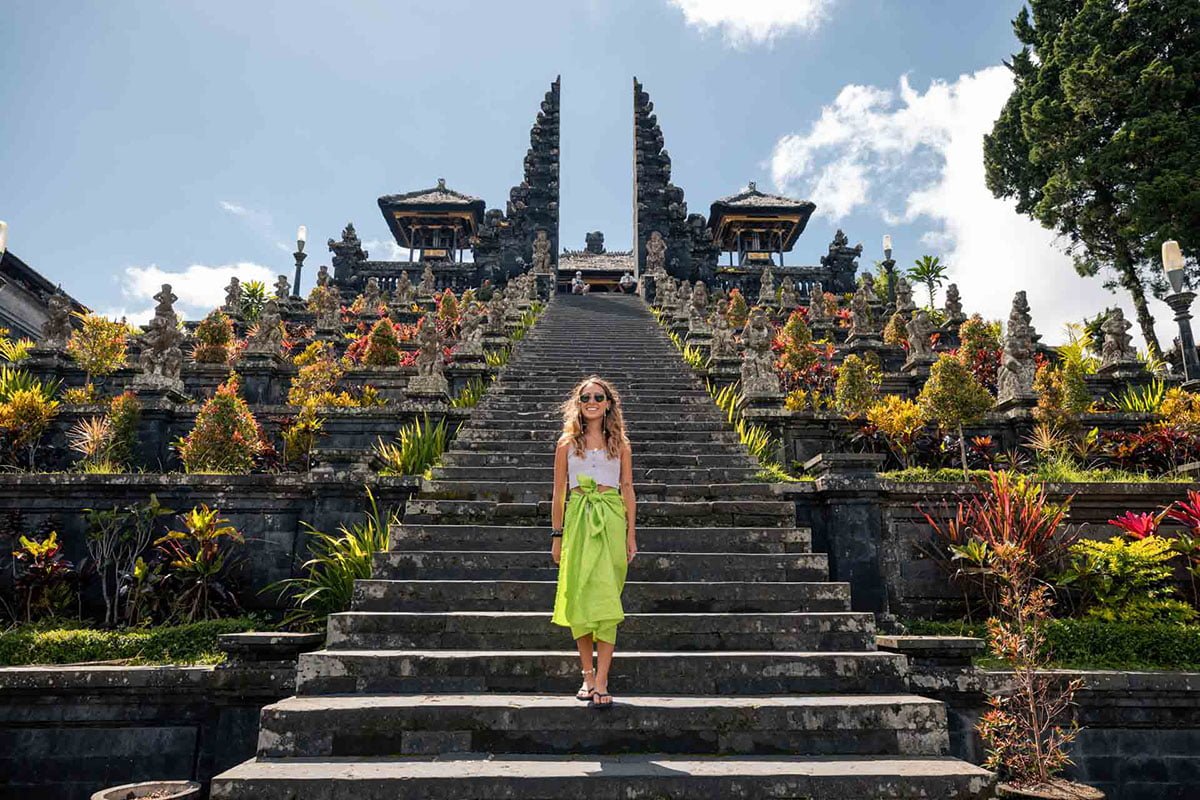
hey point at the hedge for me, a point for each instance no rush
(174, 644)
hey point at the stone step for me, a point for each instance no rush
(536, 565)
(743, 513)
(410, 536)
(641, 475)
(666, 444)
(509, 491)
(605, 778)
(638, 597)
(443, 724)
(541, 411)
(517, 630)
(660, 394)
(671, 423)
(711, 440)
(539, 671)
(647, 460)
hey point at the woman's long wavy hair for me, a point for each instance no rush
(613, 425)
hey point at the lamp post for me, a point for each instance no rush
(1181, 303)
(301, 238)
(889, 267)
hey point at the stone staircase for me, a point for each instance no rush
(740, 669)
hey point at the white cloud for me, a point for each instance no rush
(259, 221)
(917, 158)
(200, 288)
(753, 22)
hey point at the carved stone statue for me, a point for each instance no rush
(788, 298)
(841, 262)
(429, 379)
(862, 321)
(323, 275)
(531, 287)
(766, 287)
(683, 301)
(667, 297)
(722, 345)
(1014, 379)
(541, 253)
(904, 298)
(1117, 352)
(57, 327)
(428, 283)
(267, 338)
(919, 329)
(656, 253)
(496, 309)
(470, 333)
(954, 309)
(371, 294)
(348, 254)
(698, 311)
(161, 359)
(329, 309)
(404, 289)
(817, 313)
(594, 242)
(283, 289)
(758, 362)
(233, 298)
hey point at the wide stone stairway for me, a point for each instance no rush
(740, 670)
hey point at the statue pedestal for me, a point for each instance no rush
(918, 367)
(156, 389)
(427, 389)
(1022, 405)
(1123, 370)
(762, 399)
(260, 383)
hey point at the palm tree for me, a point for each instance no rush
(930, 271)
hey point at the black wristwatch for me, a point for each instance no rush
(555, 533)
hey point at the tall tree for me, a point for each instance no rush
(1100, 138)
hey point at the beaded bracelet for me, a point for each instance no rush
(555, 533)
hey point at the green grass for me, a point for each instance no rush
(1054, 472)
(1095, 644)
(62, 643)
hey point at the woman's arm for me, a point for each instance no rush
(558, 498)
(630, 501)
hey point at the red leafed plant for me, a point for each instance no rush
(1187, 542)
(1138, 525)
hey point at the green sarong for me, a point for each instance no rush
(591, 569)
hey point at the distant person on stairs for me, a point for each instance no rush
(593, 537)
(578, 285)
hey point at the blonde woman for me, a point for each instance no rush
(593, 535)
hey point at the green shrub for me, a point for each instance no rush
(383, 345)
(338, 560)
(470, 394)
(226, 438)
(178, 644)
(418, 447)
(214, 336)
(857, 386)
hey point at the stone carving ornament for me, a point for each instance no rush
(656, 253)
(758, 362)
(541, 253)
(787, 294)
(161, 359)
(1117, 349)
(429, 378)
(496, 309)
(57, 327)
(233, 297)
(817, 312)
(404, 289)
(862, 322)
(1014, 379)
(722, 345)
(904, 297)
(428, 283)
(323, 275)
(282, 288)
(470, 332)
(371, 294)
(766, 287)
(919, 329)
(267, 338)
(954, 309)
(329, 309)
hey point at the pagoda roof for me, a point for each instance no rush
(437, 201)
(440, 195)
(608, 261)
(751, 204)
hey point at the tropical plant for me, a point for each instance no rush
(899, 421)
(214, 336)
(1063, 393)
(737, 311)
(447, 307)
(895, 331)
(124, 416)
(497, 357)
(1145, 398)
(694, 357)
(14, 350)
(857, 387)
(470, 394)
(418, 446)
(25, 415)
(254, 298)
(1098, 135)
(300, 435)
(98, 345)
(200, 565)
(90, 438)
(930, 272)
(43, 577)
(1127, 580)
(317, 375)
(383, 346)
(226, 437)
(337, 561)
(980, 349)
(117, 538)
(953, 398)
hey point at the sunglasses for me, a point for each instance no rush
(587, 398)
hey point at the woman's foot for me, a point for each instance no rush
(589, 686)
(600, 698)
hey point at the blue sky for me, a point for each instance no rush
(185, 141)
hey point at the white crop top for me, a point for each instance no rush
(604, 470)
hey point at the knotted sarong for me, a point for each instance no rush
(591, 569)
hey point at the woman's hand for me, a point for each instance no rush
(556, 549)
(631, 546)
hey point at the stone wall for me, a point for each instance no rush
(66, 732)
(268, 509)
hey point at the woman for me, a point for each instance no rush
(593, 537)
